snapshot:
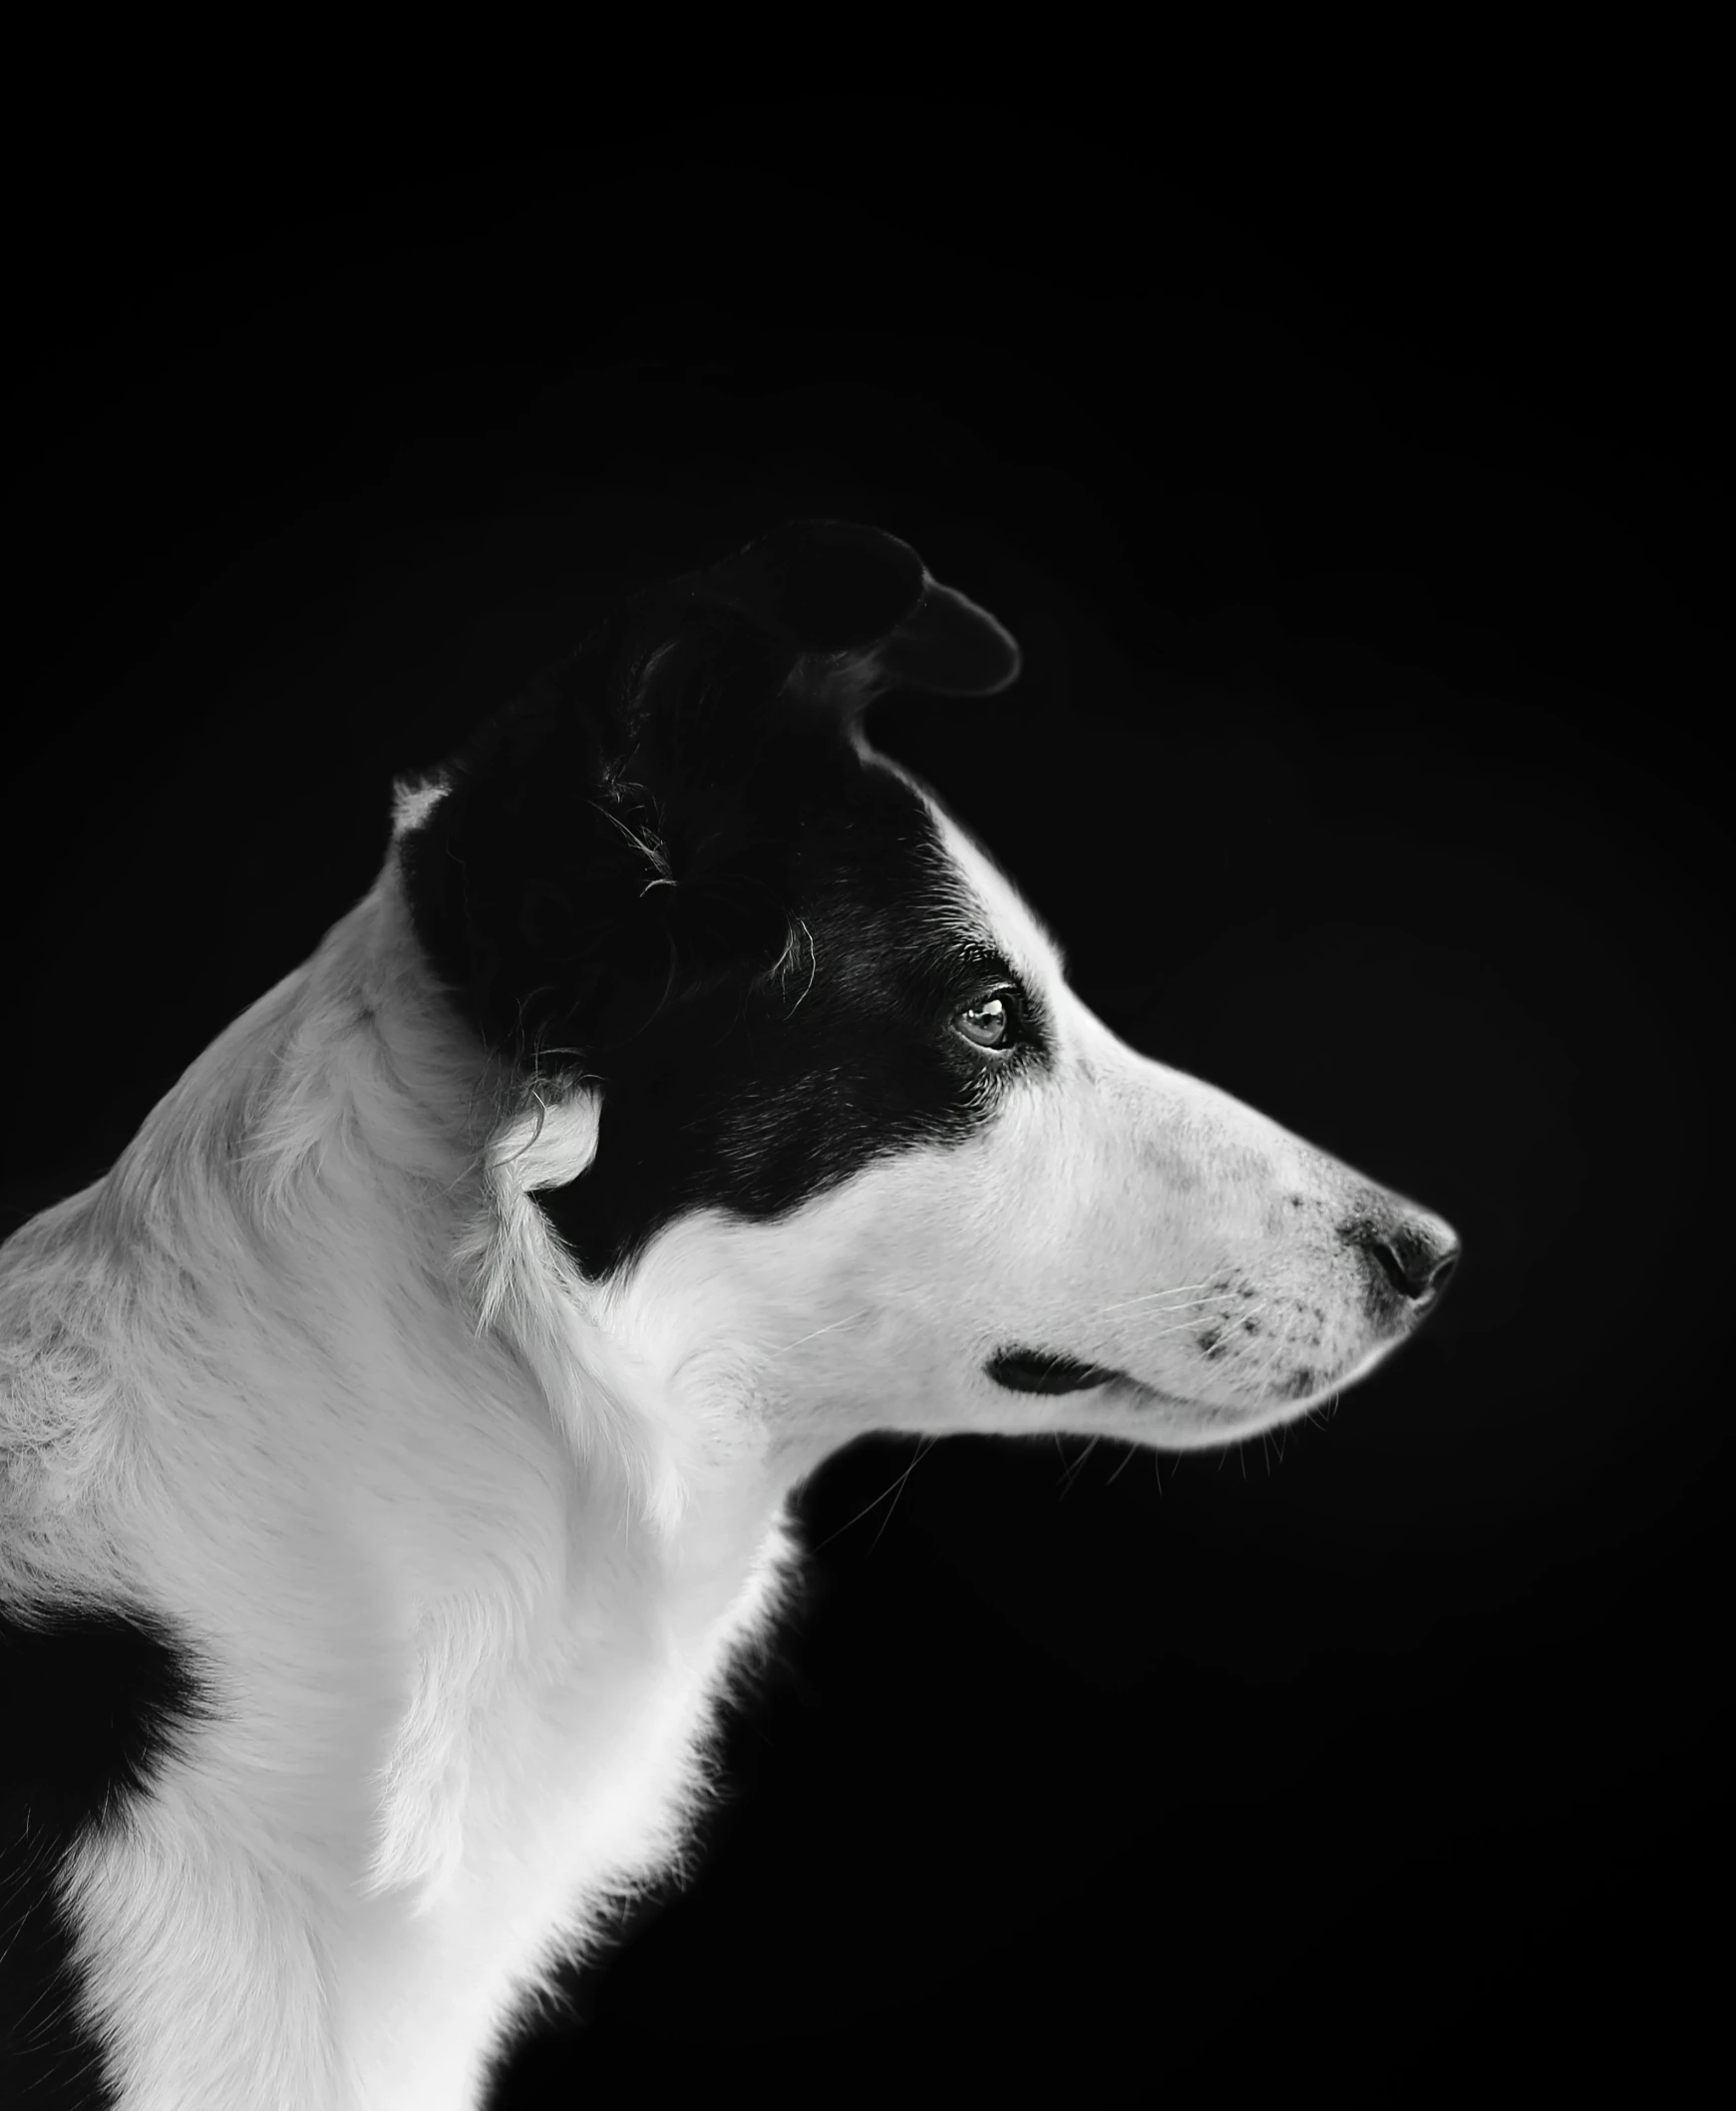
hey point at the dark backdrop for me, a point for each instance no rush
(1364, 523)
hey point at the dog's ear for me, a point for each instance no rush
(623, 835)
(862, 614)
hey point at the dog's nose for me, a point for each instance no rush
(1414, 1251)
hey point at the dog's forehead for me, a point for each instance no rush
(1007, 920)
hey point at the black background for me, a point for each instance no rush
(1363, 516)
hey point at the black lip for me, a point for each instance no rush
(1041, 1371)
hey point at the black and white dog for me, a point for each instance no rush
(396, 1441)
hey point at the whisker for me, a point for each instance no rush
(1126, 1304)
(831, 1328)
(923, 1443)
(1072, 1473)
(923, 1446)
(1129, 1452)
(813, 967)
(1182, 1326)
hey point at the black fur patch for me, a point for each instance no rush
(675, 868)
(94, 1702)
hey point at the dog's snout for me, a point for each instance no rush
(1416, 1254)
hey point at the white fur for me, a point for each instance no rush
(467, 1545)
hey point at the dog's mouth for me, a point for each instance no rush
(1042, 1371)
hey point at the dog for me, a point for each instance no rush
(398, 1440)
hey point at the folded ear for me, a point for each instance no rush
(622, 837)
(862, 614)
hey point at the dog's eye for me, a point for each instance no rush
(993, 1022)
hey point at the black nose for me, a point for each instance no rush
(1415, 1255)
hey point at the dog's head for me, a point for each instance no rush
(853, 1155)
